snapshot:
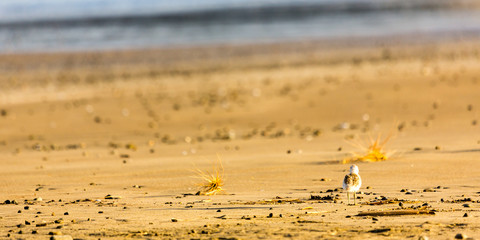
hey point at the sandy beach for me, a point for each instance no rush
(105, 145)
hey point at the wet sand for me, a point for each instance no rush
(135, 125)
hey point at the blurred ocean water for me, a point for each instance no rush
(76, 25)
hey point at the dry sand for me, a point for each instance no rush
(136, 124)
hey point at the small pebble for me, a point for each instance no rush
(460, 236)
(465, 215)
(466, 205)
(112, 197)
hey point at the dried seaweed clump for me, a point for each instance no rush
(374, 152)
(212, 182)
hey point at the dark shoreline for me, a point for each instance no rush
(247, 13)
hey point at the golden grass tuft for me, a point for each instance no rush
(212, 182)
(374, 152)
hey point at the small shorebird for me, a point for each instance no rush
(352, 183)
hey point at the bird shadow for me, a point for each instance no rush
(327, 162)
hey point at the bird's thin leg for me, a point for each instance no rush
(348, 198)
(354, 198)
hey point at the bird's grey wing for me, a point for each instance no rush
(348, 180)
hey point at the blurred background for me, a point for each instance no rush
(78, 25)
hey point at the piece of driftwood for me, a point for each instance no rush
(390, 201)
(395, 213)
